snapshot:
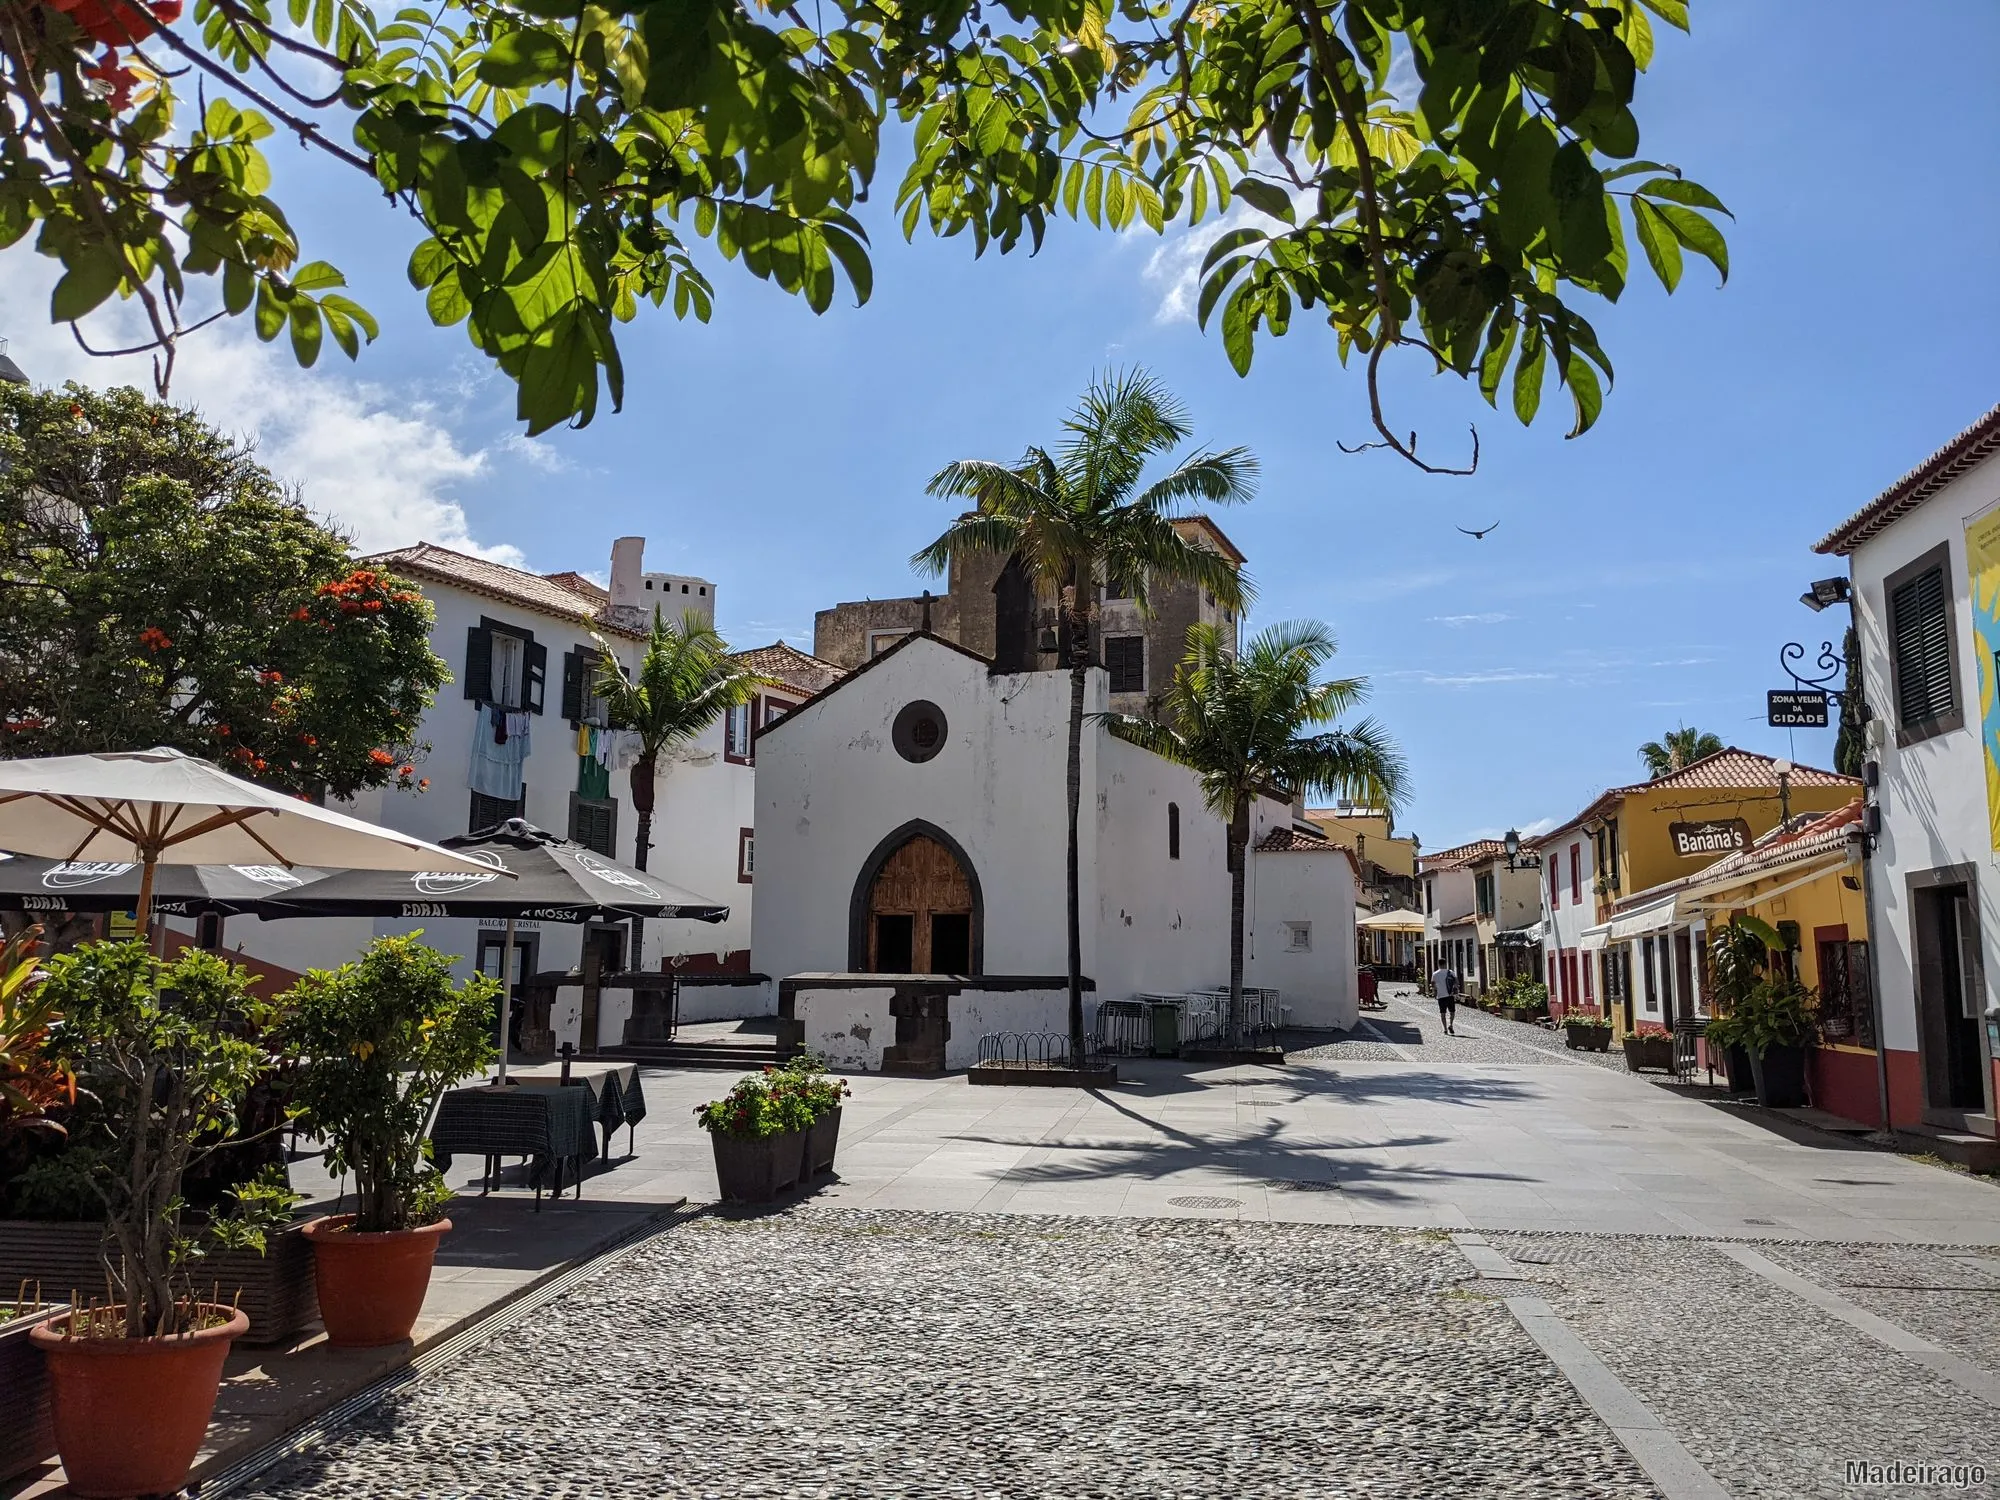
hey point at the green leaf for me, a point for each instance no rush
(306, 331)
(316, 276)
(1239, 323)
(1663, 252)
(524, 59)
(1680, 190)
(1585, 393)
(1528, 374)
(558, 379)
(91, 277)
(1698, 234)
(1266, 198)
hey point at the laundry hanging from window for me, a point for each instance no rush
(499, 752)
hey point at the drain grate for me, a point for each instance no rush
(1305, 1185)
(1206, 1202)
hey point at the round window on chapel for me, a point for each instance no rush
(919, 731)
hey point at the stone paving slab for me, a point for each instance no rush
(1772, 1395)
(822, 1352)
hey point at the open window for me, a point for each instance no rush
(505, 666)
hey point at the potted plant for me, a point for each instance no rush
(27, 1429)
(381, 1040)
(1586, 1031)
(1649, 1049)
(823, 1095)
(758, 1132)
(1738, 956)
(1528, 1000)
(170, 1050)
(1775, 1023)
(1723, 1036)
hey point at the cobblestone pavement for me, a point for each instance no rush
(1773, 1396)
(1410, 1029)
(829, 1352)
(821, 1352)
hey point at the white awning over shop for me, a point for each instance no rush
(1655, 916)
(1592, 939)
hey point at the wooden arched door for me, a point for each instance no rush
(920, 912)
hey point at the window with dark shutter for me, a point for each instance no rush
(1125, 662)
(537, 675)
(1173, 830)
(504, 665)
(594, 824)
(572, 686)
(478, 674)
(1920, 637)
(491, 812)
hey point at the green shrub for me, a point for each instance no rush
(1587, 1021)
(381, 1039)
(1776, 1012)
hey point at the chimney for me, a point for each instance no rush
(628, 600)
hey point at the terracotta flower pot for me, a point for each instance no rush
(130, 1413)
(371, 1286)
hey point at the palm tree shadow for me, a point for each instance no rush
(1266, 1156)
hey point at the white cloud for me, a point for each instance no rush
(1482, 679)
(1175, 265)
(1527, 831)
(378, 463)
(1491, 617)
(533, 452)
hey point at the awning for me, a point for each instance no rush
(1522, 937)
(1393, 921)
(1655, 916)
(1593, 939)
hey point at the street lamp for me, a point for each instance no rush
(1826, 592)
(1515, 861)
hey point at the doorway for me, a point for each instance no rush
(920, 912)
(1951, 993)
(603, 955)
(1680, 1003)
(488, 963)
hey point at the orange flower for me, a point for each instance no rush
(222, 729)
(382, 757)
(424, 784)
(309, 739)
(154, 638)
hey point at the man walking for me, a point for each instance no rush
(1444, 984)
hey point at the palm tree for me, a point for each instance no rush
(1259, 723)
(686, 681)
(1678, 749)
(1077, 517)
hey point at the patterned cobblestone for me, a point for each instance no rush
(1773, 1396)
(821, 1352)
(1411, 1023)
(1951, 1298)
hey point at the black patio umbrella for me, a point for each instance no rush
(555, 881)
(92, 885)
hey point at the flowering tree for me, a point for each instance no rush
(159, 587)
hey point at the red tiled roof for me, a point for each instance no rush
(1214, 532)
(1291, 841)
(476, 575)
(1463, 854)
(1728, 769)
(577, 583)
(791, 666)
(1970, 448)
(1807, 838)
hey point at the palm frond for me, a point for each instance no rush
(1225, 478)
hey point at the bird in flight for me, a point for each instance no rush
(1479, 535)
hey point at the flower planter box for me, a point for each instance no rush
(1587, 1038)
(821, 1141)
(1526, 1012)
(756, 1171)
(1742, 1078)
(27, 1427)
(1780, 1074)
(1644, 1052)
(275, 1289)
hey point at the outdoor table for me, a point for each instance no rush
(619, 1098)
(552, 1127)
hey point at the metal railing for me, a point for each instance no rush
(1030, 1049)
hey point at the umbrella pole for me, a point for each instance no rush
(506, 993)
(142, 915)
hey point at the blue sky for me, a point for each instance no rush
(1642, 575)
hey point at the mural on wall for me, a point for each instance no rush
(1982, 561)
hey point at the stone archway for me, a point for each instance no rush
(916, 907)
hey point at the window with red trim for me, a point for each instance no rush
(1575, 872)
(1588, 999)
(1555, 885)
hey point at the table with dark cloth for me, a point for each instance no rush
(619, 1099)
(554, 1128)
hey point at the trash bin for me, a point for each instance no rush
(1166, 1030)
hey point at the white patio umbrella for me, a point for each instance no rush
(148, 807)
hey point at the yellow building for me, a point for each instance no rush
(1612, 937)
(1371, 834)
